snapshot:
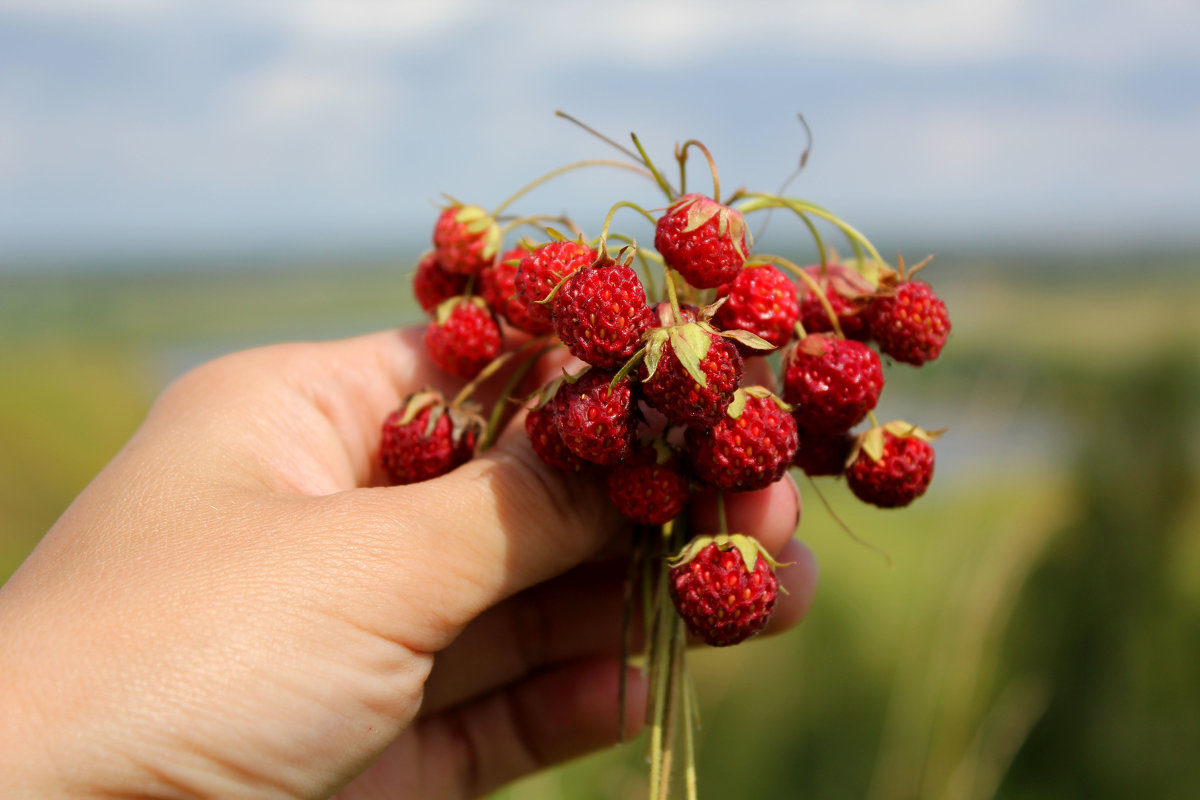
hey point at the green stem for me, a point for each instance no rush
(815, 288)
(493, 426)
(669, 278)
(857, 240)
(593, 162)
(846, 528)
(608, 218)
(632, 571)
(662, 182)
(712, 165)
(681, 157)
(597, 134)
(671, 716)
(536, 221)
(689, 727)
(660, 672)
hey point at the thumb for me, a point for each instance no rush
(458, 544)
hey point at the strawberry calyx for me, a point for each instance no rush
(445, 308)
(730, 222)
(872, 441)
(749, 548)
(464, 416)
(743, 394)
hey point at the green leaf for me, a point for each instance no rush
(691, 344)
(738, 405)
(748, 339)
(417, 402)
(656, 341)
(872, 443)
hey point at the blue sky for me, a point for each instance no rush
(150, 126)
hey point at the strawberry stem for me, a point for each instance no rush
(662, 182)
(633, 570)
(672, 295)
(846, 528)
(722, 522)
(689, 728)
(712, 165)
(660, 670)
(608, 218)
(801, 207)
(488, 371)
(815, 288)
(598, 134)
(510, 386)
(593, 162)
(536, 221)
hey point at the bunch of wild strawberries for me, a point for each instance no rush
(663, 403)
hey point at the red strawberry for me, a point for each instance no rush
(541, 424)
(690, 373)
(893, 467)
(761, 300)
(910, 325)
(724, 587)
(847, 292)
(823, 453)
(600, 314)
(466, 239)
(748, 449)
(702, 240)
(832, 383)
(650, 486)
(424, 438)
(543, 269)
(433, 285)
(463, 337)
(596, 423)
(498, 286)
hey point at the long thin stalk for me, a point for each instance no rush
(592, 162)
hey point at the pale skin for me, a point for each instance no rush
(236, 608)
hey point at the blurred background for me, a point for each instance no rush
(182, 179)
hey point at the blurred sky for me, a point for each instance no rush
(216, 126)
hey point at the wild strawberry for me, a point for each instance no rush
(466, 239)
(910, 325)
(543, 269)
(498, 287)
(600, 314)
(690, 373)
(649, 487)
(597, 423)
(761, 300)
(823, 453)
(432, 285)
(463, 336)
(832, 383)
(702, 240)
(893, 467)
(749, 448)
(724, 587)
(847, 293)
(541, 424)
(425, 438)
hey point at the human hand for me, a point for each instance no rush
(236, 608)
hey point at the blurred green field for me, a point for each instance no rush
(1038, 632)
